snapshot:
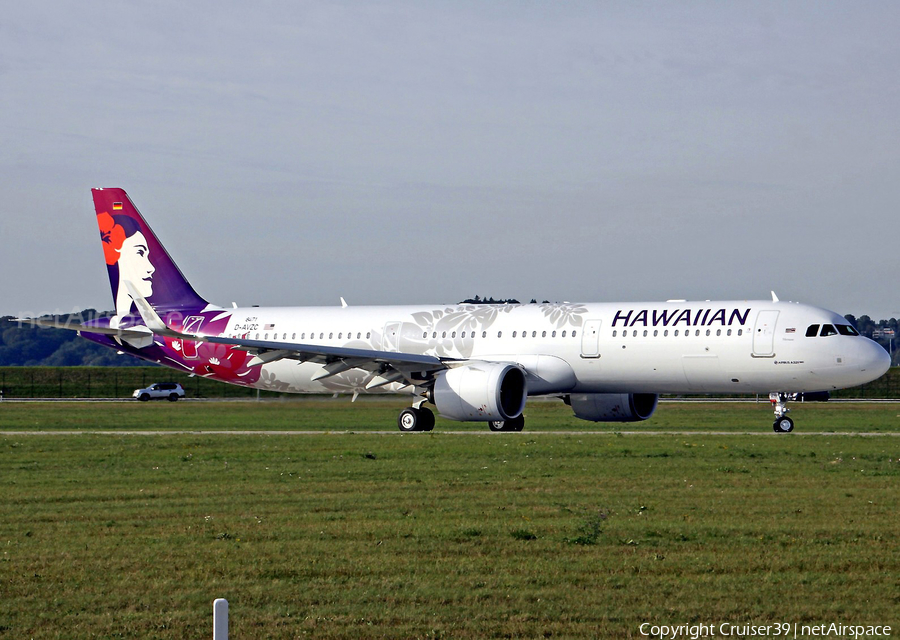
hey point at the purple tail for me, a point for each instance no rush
(134, 256)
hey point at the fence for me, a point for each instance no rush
(120, 382)
(108, 382)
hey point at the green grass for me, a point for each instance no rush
(380, 413)
(439, 535)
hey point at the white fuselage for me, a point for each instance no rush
(670, 347)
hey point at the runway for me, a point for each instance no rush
(424, 434)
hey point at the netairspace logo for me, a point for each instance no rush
(783, 630)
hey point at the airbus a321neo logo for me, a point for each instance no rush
(685, 317)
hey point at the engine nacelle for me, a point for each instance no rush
(480, 391)
(613, 407)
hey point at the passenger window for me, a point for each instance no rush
(828, 330)
(708, 332)
(563, 334)
(676, 333)
(633, 333)
(321, 336)
(697, 332)
(812, 331)
(514, 334)
(645, 333)
(655, 332)
(443, 334)
(666, 333)
(499, 334)
(484, 334)
(573, 334)
(534, 334)
(453, 335)
(740, 332)
(614, 333)
(368, 334)
(718, 332)
(729, 332)
(424, 335)
(358, 335)
(340, 334)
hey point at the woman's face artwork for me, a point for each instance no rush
(135, 266)
(130, 252)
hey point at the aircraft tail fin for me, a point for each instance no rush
(136, 260)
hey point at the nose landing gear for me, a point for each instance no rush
(782, 424)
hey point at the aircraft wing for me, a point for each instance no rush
(386, 366)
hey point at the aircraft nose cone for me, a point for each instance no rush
(875, 360)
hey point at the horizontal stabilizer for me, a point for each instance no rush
(134, 332)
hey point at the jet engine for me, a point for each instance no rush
(613, 407)
(480, 392)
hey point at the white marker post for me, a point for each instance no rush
(220, 619)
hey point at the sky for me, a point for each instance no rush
(292, 153)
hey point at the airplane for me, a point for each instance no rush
(473, 362)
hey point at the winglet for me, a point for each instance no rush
(774, 297)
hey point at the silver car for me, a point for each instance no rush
(170, 391)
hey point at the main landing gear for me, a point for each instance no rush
(514, 424)
(416, 419)
(782, 424)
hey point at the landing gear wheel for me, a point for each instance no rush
(513, 424)
(412, 419)
(427, 418)
(783, 425)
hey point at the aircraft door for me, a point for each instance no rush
(764, 334)
(590, 339)
(189, 347)
(390, 339)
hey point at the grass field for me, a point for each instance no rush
(362, 535)
(316, 413)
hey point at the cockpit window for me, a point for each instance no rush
(847, 330)
(828, 330)
(812, 331)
